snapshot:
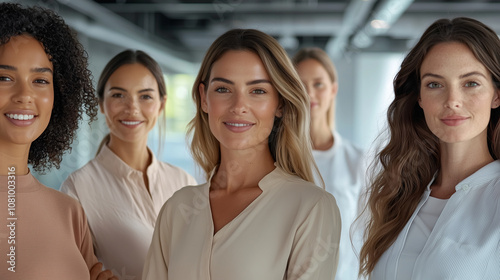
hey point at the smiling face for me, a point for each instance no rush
(26, 90)
(319, 86)
(131, 103)
(457, 94)
(240, 101)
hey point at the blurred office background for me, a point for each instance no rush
(366, 39)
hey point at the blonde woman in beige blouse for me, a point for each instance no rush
(123, 188)
(259, 216)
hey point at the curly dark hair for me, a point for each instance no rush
(73, 90)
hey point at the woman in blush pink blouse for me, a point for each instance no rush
(123, 188)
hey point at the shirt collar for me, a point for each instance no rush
(114, 164)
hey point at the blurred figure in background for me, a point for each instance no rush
(341, 164)
(123, 188)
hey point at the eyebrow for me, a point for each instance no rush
(140, 91)
(254, 82)
(33, 70)
(461, 76)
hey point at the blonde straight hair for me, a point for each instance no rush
(289, 140)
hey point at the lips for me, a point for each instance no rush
(238, 124)
(454, 120)
(21, 117)
(131, 122)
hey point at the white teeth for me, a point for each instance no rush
(131, 123)
(239, 124)
(20, 117)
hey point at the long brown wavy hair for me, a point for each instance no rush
(405, 166)
(289, 140)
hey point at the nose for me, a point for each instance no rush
(132, 106)
(239, 103)
(23, 93)
(453, 99)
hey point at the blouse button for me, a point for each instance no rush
(466, 187)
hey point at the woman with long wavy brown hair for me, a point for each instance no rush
(434, 204)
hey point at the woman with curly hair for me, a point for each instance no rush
(259, 216)
(124, 187)
(435, 202)
(45, 88)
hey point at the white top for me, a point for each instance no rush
(465, 241)
(343, 168)
(418, 234)
(120, 211)
(290, 231)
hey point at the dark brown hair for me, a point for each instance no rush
(73, 90)
(411, 158)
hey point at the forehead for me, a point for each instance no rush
(239, 62)
(451, 56)
(24, 49)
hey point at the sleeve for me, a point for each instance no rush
(86, 248)
(156, 265)
(315, 249)
(68, 187)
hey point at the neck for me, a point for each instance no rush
(16, 156)
(459, 161)
(134, 154)
(242, 169)
(321, 135)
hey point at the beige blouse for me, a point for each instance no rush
(120, 211)
(47, 231)
(290, 231)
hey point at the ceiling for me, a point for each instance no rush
(181, 30)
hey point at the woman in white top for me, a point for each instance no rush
(259, 216)
(435, 202)
(340, 163)
(123, 188)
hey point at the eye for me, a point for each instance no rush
(117, 95)
(471, 84)
(318, 85)
(42, 81)
(5, 79)
(221, 90)
(258, 91)
(146, 96)
(434, 85)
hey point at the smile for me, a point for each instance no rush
(20, 117)
(130, 122)
(238, 124)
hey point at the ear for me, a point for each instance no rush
(419, 101)
(335, 88)
(496, 99)
(163, 102)
(203, 97)
(101, 106)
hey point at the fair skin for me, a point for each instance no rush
(457, 94)
(241, 104)
(322, 92)
(26, 101)
(132, 105)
